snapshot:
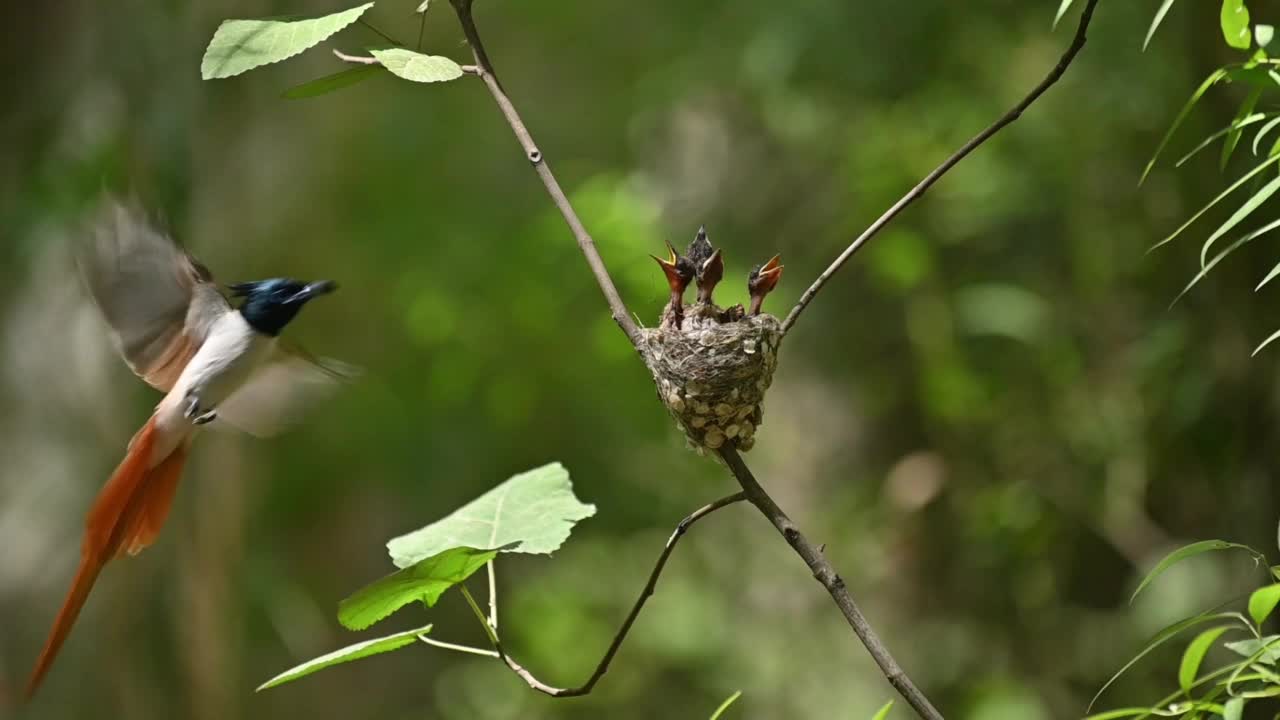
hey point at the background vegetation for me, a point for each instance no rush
(994, 422)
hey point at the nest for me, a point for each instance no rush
(712, 374)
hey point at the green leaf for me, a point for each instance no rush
(1245, 210)
(1270, 276)
(1235, 125)
(1235, 24)
(883, 712)
(1194, 655)
(1062, 10)
(1255, 646)
(1212, 263)
(1262, 602)
(1163, 636)
(1214, 78)
(330, 83)
(240, 45)
(1263, 34)
(1187, 551)
(1270, 339)
(347, 654)
(1244, 112)
(418, 67)
(1262, 133)
(533, 512)
(1234, 709)
(1220, 197)
(725, 705)
(1155, 22)
(425, 580)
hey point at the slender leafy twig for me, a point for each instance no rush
(603, 666)
(914, 194)
(539, 162)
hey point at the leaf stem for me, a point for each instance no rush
(458, 648)
(475, 608)
(493, 595)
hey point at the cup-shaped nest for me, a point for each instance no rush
(713, 375)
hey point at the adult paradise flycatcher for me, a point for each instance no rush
(215, 362)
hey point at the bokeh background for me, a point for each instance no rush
(992, 418)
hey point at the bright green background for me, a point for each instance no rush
(991, 418)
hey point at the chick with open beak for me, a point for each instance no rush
(761, 281)
(708, 265)
(680, 272)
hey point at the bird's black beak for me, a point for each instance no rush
(313, 290)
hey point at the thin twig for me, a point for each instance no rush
(603, 666)
(914, 194)
(458, 648)
(535, 157)
(824, 573)
(384, 36)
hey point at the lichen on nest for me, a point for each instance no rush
(712, 371)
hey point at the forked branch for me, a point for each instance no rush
(751, 490)
(914, 193)
(603, 666)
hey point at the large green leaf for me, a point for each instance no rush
(1262, 602)
(1254, 202)
(425, 580)
(240, 45)
(533, 512)
(1219, 198)
(1155, 22)
(1187, 551)
(1235, 24)
(1265, 648)
(330, 83)
(1234, 709)
(347, 654)
(1160, 638)
(1242, 114)
(1194, 655)
(1214, 78)
(418, 67)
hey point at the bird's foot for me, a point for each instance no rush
(195, 414)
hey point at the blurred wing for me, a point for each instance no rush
(158, 300)
(282, 391)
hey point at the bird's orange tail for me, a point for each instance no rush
(126, 517)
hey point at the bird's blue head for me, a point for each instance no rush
(269, 305)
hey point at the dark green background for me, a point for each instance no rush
(991, 418)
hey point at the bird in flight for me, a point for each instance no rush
(216, 363)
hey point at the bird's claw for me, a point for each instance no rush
(194, 414)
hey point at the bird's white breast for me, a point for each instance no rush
(229, 355)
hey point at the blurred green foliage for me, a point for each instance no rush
(992, 418)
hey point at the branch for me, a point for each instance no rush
(751, 489)
(603, 666)
(484, 68)
(824, 573)
(914, 194)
